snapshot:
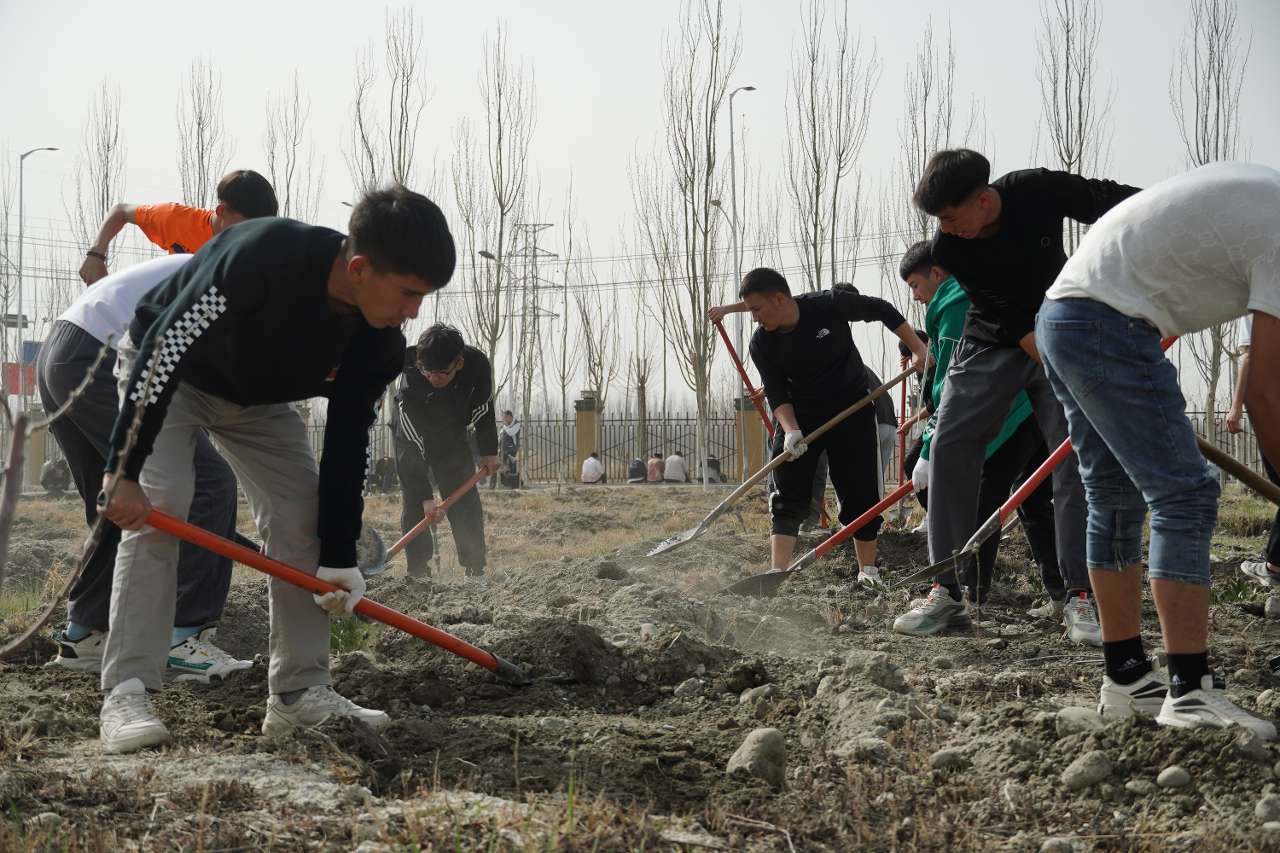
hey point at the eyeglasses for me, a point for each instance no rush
(452, 368)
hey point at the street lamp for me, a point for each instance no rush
(733, 200)
(22, 374)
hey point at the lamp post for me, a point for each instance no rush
(22, 373)
(733, 200)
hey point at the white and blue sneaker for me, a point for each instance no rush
(1208, 706)
(1144, 697)
(198, 659)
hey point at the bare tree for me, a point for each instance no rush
(598, 334)
(673, 194)
(829, 108)
(639, 368)
(489, 189)
(567, 353)
(9, 251)
(1204, 92)
(927, 125)
(291, 157)
(380, 153)
(204, 151)
(1076, 118)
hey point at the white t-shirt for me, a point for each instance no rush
(1185, 254)
(592, 470)
(675, 469)
(106, 308)
(1244, 331)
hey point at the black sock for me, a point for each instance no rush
(954, 590)
(1185, 672)
(1126, 660)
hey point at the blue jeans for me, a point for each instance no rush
(1127, 419)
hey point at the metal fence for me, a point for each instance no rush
(548, 451)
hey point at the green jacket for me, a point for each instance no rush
(944, 321)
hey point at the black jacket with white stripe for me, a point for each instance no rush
(248, 320)
(436, 420)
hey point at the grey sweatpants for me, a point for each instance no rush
(981, 384)
(268, 449)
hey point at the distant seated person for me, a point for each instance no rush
(675, 469)
(181, 230)
(636, 471)
(593, 469)
(654, 470)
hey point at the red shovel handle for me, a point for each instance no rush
(861, 521)
(746, 380)
(387, 616)
(435, 514)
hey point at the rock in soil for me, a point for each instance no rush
(1173, 776)
(1077, 720)
(1088, 769)
(1268, 808)
(763, 755)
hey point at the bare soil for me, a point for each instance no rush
(622, 737)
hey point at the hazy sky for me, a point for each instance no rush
(598, 83)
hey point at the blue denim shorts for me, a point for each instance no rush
(1137, 451)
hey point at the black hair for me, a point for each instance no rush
(508, 412)
(763, 280)
(918, 258)
(905, 351)
(845, 287)
(403, 232)
(595, 455)
(438, 346)
(247, 193)
(949, 178)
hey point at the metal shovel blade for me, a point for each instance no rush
(763, 585)
(371, 552)
(673, 542)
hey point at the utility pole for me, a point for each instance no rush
(530, 310)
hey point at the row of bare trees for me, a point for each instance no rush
(545, 325)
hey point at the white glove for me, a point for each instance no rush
(920, 475)
(793, 444)
(342, 602)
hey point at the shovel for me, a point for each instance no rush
(189, 532)
(767, 583)
(752, 393)
(720, 508)
(430, 519)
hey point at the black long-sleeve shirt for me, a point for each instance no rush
(436, 419)
(248, 320)
(815, 365)
(1006, 275)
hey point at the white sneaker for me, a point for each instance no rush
(83, 655)
(127, 722)
(315, 706)
(1258, 571)
(870, 576)
(1080, 618)
(198, 659)
(1145, 696)
(1051, 609)
(938, 612)
(1209, 706)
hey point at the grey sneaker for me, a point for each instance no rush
(938, 612)
(198, 659)
(1257, 570)
(83, 655)
(1080, 618)
(127, 722)
(1145, 696)
(1209, 706)
(315, 706)
(869, 576)
(1051, 609)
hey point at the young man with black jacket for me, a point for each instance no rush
(267, 313)
(811, 370)
(445, 392)
(1003, 241)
